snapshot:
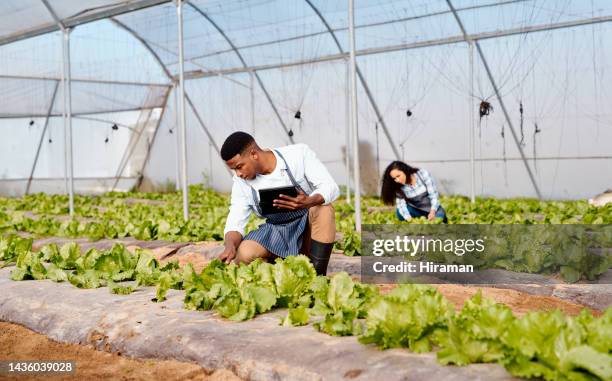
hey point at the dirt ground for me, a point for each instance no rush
(20, 343)
(519, 302)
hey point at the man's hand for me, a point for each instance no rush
(432, 215)
(300, 202)
(232, 240)
(228, 254)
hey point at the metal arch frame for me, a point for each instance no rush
(58, 21)
(152, 51)
(245, 65)
(499, 97)
(412, 45)
(145, 44)
(366, 88)
(363, 26)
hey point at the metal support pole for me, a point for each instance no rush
(42, 137)
(471, 126)
(354, 120)
(64, 118)
(67, 88)
(347, 101)
(177, 139)
(183, 130)
(67, 104)
(499, 98)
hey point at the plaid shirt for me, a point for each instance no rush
(426, 185)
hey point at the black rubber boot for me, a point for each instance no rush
(319, 255)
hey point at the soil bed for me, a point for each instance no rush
(20, 343)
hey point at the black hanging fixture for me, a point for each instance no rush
(290, 133)
(408, 113)
(50, 140)
(31, 123)
(485, 109)
(106, 140)
(115, 127)
(171, 131)
(298, 114)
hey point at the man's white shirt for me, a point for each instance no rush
(305, 167)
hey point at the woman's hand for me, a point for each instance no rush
(301, 201)
(432, 215)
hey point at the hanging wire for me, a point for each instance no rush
(536, 130)
(377, 149)
(503, 135)
(521, 111)
(294, 93)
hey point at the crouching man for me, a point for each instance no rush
(307, 223)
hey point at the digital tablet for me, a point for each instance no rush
(267, 196)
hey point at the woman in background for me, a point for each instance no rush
(413, 191)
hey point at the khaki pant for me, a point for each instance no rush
(321, 227)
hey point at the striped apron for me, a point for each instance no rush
(282, 233)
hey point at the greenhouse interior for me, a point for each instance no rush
(252, 66)
(115, 114)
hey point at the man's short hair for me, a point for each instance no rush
(234, 144)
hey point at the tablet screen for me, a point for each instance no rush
(267, 196)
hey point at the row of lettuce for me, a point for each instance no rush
(150, 216)
(549, 345)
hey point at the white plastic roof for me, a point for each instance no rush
(28, 18)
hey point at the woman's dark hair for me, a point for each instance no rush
(390, 189)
